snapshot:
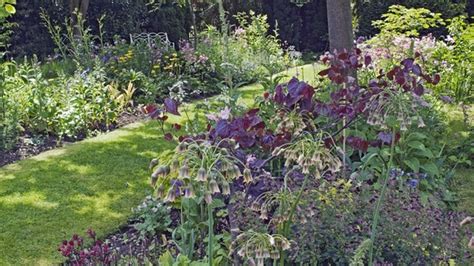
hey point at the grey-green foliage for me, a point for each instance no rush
(153, 216)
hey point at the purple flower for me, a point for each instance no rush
(413, 183)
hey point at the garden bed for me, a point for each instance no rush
(29, 145)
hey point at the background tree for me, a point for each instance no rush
(340, 24)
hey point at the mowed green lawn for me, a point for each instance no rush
(89, 184)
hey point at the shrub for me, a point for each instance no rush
(64, 106)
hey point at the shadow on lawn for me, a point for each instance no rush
(94, 183)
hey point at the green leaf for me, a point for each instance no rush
(417, 136)
(416, 145)
(166, 259)
(414, 164)
(10, 9)
(217, 203)
(431, 168)
(426, 153)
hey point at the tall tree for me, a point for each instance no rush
(339, 24)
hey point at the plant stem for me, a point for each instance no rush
(286, 228)
(211, 231)
(375, 220)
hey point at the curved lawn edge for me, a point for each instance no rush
(93, 183)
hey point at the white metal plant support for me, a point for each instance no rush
(152, 39)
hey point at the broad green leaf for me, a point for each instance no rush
(166, 259)
(425, 152)
(417, 136)
(414, 164)
(416, 145)
(431, 168)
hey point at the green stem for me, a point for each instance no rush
(375, 220)
(211, 231)
(286, 228)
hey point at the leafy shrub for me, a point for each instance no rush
(407, 21)
(368, 11)
(64, 106)
(247, 53)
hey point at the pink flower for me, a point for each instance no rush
(239, 31)
(202, 59)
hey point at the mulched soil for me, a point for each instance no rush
(29, 145)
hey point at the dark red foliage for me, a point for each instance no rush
(99, 254)
(248, 130)
(168, 137)
(358, 143)
(295, 95)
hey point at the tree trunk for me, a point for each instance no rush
(78, 10)
(339, 24)
(193, 19)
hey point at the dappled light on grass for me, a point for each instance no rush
(92, 183)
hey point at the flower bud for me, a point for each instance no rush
(214, 187)
(225, 188)
(189, 192)
(201, 175)
(247, 176)
(153, 163)
(154, 178)
(275, 254)
(467, 220)
(171, 195)
(184, 171)
(174, 165)
(160, 192)
(181, 147)
(208, 197)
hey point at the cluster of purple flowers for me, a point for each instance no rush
(413, 178)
